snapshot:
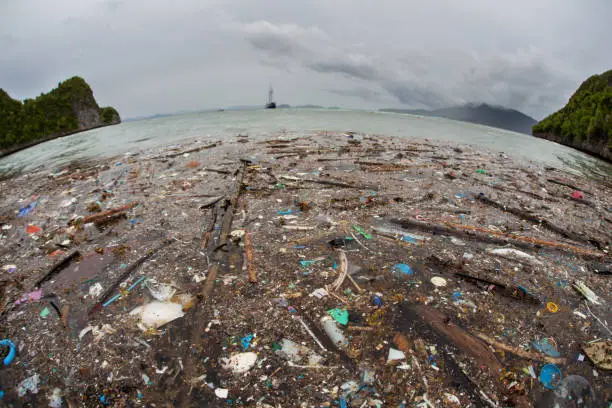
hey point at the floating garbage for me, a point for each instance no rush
(587, 293)
(156, 314)
(246, 341)
(9, 268)
(550, 376)
(296, 353)
(543, 346)
(403, 268)
(334, 332)
(438, 281)
(33, 229)
(160, 291)
(95, 290)
(395, 354)
(339, 315)
(29, 384)
(600, 353)
(239, 363)
(10, 356)
(514, 253)
(221, 392)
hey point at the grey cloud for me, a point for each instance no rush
(362, 93)
(147, 56)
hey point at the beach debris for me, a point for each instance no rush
(550, 376)
(438, 281)
(156, 314)
(222, 392)
(587, 292)
(339, 315)
(239, 363)
(160, 291)
(514, 253)
(296, 353)
(30, 297)
(334, 332)
(600, 353)
(29, 384)
(95, 290)
(10, 356)
(395, 354)
(403, 268)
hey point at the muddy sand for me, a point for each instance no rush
(326, 270)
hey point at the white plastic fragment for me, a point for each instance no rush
(514, 253)
(29, 384)
(587, 293)
(160, 291)
(319, 293)
(334, 333)
(395, 354)
(295, 353)
(240, 362)
(221, 392)
(55, 399)
(156, 314)
(438, 281)
(95, 290)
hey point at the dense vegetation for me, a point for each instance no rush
(55, 113)
(587, 117)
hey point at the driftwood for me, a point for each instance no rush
(55, 269)
(106, 214)
(226, 224)
(194, 150)
(485, 235)
(526, 216)
(519, 352)
(566, 184)
(128, 271)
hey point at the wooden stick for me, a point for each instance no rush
(248, 249)
(55, 269)
(519, 352)
(105, 214)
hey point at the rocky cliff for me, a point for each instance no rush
(69, 108)
(585, 123)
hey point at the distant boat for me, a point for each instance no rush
(271, 104)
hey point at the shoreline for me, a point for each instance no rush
(255, 251)
(11, 150)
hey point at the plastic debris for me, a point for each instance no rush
(221, 392)
(156, 314)
(246, 341)
(23, 211)
(362, 232)
(552, 307)
(550, 376)
(438, 281)
(45, 312)
(577, 195)
(9, 268)
(587, 293)
(334, 332)
(239, 363)
(395, 354)
(10, 356)
(95, 290)
(160, 291)
(600, 353)
(319, 293)
(339, 315)
(403, 268)
(514, 253)
(296, 353)
(543, 346)
(33, 229)
(55, 399)
(29, 384)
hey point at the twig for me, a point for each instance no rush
(106, 214)
(311, 333)
(519, 352)
(359, 242)
(597, 318)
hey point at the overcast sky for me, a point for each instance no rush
(154, 56)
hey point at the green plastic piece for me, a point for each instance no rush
(362, 232)
(45, 312)
(339, 315)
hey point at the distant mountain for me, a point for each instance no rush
(585, 123)
(69, 108)
(483, 114)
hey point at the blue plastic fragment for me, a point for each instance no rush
(246, 341)
(28, 208)
(550, 376)
(403, 268)
(407, 238)
(456, 296)
(378, 301)
(1, 393)
(12, 351)
(543, 346)
(299, 247)
(285, 212)
(103, 400)
(343, 403)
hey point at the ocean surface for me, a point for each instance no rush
(143, 134)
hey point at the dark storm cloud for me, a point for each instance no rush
(147, 56)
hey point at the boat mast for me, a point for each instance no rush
(270, 95)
